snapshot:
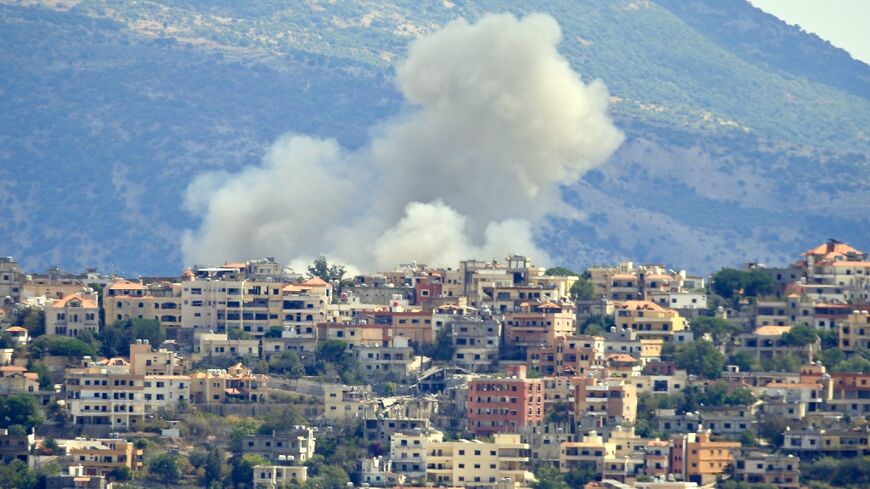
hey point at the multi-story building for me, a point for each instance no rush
(590, 451)
(101, 456)
(15, 446)
(835, 442)
(648, 320)
(106, 394)
(568, 355)
(536, 324)
(478, 464)
(759, 467)
(627, 341)
(854, 331)
(72, 315)
(498, 405)
(476, 341)
(216, 386)
(347, 403)
(305, 305)
(144, 359)
(296, 445)
(614, 400)
(165, 392)
(545, 439)
(408, 451)
(10, 281)
(696, 458)
(378, 472)
(381, 429)
(393, 359)
(160, 301)
(767, 342)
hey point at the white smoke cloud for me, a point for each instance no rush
(495, 121)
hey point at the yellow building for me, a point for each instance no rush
(648, 320)
(854, 331)
(589, 452)
(466, 463)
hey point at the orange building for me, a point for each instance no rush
(700, 460)
(498, 405)
(613, 399)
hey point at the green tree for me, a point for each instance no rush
(214, 466)
(41, 370)
(117, 338)
(121, 473)
(390, 389)
(855, 363)
(560, 272)
(442, 348)
(582, 290)
(287, 363)
(782, 363)
(57, 345)
(329, 477)
(757, 283)
(34, 322)
(582, 475)
(747, 438)
(281, 419)
(16, 475)
(20, 410)
(800, 335)
(165, 468)
(745, 360)
(242, 471)
(700, 358)
(719, 329)
(596, 324)
(328, 273)
(728, 282)
(549, 477)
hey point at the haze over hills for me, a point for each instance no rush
(744, 137)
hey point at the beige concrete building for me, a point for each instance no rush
(160, 301)
(238, 383)
(408, 451)
(854, 331)
(277, 476)
(72, 315)
(106, 394)
(479, 464)
(102, 456)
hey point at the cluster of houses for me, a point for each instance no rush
(493, 370)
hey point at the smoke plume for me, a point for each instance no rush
(495, 120)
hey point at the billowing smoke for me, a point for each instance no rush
(495, 121)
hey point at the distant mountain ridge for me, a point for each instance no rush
(747, 139)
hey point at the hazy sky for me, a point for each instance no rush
(845, 23)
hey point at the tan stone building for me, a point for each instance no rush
(73, 315)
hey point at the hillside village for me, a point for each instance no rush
(488, 375)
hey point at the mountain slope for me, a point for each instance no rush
(740, 146)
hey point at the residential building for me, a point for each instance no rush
(15, 446)
(567, 355)
(395, 358)
(296, 445)
(160, 301)
(535, 324)
(106, 394)
(478, 464)
(505, 404)
(19, 335)
(72, 315)
(278, 476)
(590, 451)
(612, 399)
(237, 383)
(11, 281)
(648, 320)
(347, 403)
(698, 459)
(378, 472)
(100, 456)
(853, 333)
(212, 345)
(759, 467)
(408, 451)
(147, 361)
(767, 342)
